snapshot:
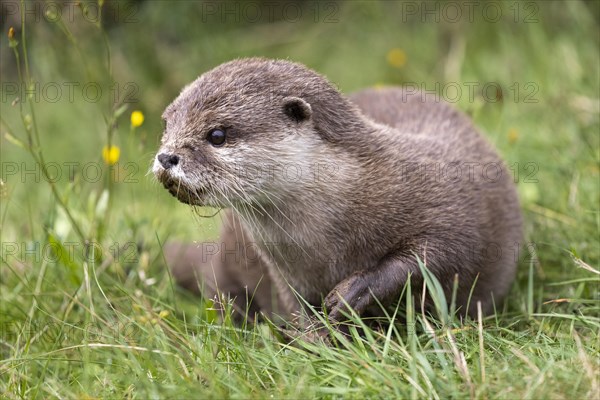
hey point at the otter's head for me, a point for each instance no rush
(248, 131)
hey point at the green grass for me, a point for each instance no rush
(110, 323)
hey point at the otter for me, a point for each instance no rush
(332, 201)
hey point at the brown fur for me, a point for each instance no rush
(337, 197)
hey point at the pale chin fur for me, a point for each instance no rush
(180, 180)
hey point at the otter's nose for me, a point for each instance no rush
(168, 160)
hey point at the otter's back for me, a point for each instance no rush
(432, 131)
(409, 111)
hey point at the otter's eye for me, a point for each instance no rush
(216, 137)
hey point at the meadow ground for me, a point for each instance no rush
(105, 320)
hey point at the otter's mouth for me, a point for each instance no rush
(183, 193)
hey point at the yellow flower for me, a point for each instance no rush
(396, 57)
(137, 119)
(111, 155)
(513, 135)
(12, 42)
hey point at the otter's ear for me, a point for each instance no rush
(297, 109)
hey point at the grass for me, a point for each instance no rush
(105, 321)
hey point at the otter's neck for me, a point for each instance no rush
(309, 209)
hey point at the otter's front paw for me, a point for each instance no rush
(353, 293)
